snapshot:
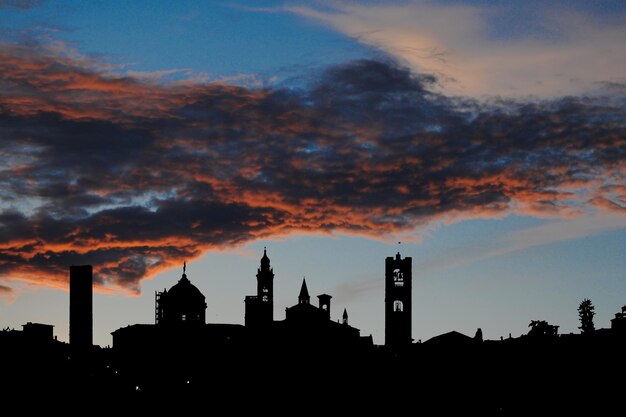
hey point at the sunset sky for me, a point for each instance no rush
(488, 137)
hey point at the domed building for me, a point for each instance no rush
(182, 304)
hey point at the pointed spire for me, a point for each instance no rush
(304, 297)
(345, 316)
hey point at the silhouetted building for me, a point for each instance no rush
(151, 340)
(398, 301)
(37, 332)
(81, 306)
(619, 322)
(180, 334)
(303, 312)
(451, 339)
(324, 303)
(304, 321)
(260, 307)
(182, 304)
(172, 355)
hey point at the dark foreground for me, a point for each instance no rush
(503, 377)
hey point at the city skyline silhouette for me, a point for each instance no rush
(435, 189)
(181, 354)
(185, 304)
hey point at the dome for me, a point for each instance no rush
(182, 304)
(184, 292)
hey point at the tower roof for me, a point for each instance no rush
(304, 292)
(265, 259)
(345, 314)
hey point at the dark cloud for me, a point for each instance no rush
(133, 177)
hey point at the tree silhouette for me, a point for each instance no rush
(586, 313)
(541, 329)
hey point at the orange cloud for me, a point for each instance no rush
(134, 176)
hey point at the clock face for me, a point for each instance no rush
(398, 278)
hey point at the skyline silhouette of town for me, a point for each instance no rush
(180, 353)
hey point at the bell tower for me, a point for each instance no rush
(260, 307)
(265, 289)
(324, 302)
(398, 282)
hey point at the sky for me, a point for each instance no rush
(489, 138)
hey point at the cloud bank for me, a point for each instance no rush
(134, 176)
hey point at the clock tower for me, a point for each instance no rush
(260, 308)
(398, 282)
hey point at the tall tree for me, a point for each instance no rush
(586, 313)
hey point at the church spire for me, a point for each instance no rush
(345, 316)
(304, 297)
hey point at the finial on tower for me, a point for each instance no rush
(184, 267)
(265, 261)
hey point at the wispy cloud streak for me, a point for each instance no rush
(545, 49)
